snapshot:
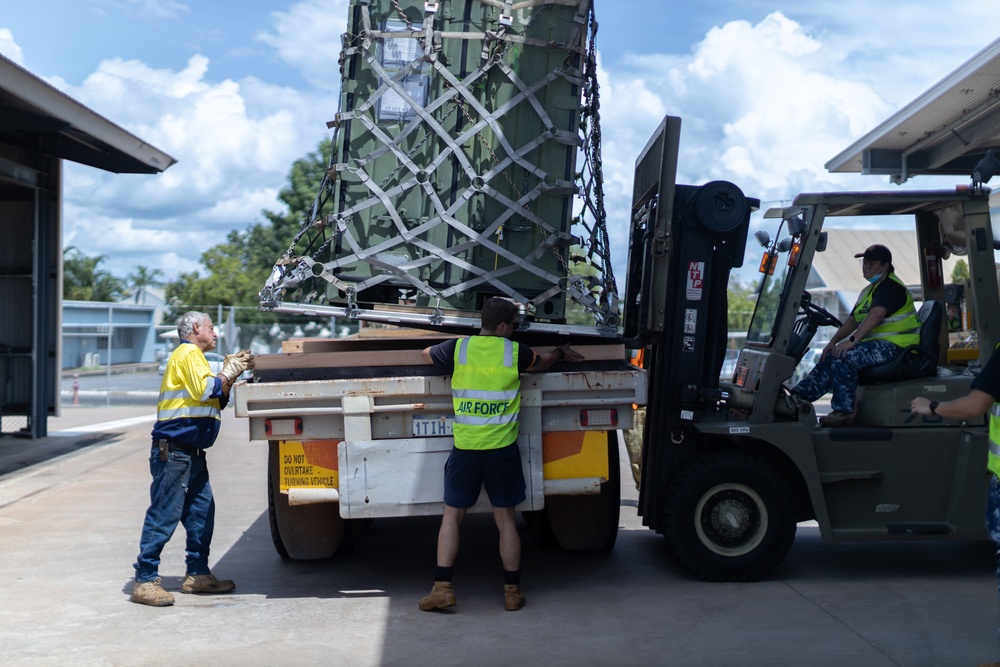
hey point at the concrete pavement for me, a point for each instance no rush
(69, 529)
(77, 428)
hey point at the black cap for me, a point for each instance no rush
(876, 253)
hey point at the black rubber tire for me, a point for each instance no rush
(305, 532)
(581, 523)
(755, 502)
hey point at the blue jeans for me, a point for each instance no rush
(180, 493)
(840, 374)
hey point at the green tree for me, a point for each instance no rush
(741, 304)
(960, 273)
(142, 278)
(83, 281)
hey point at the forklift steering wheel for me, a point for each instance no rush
(819, 316)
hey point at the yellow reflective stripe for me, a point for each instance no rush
(508, 352)
(897, 318)
(890, 334)
(486, 395)
(486, 421)
(188, 411)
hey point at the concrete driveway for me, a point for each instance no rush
(69, 529)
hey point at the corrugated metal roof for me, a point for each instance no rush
(946, 130)
(839, 269)
(37, 116)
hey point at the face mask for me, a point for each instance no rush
(874, 279)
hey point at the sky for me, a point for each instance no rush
(768, 92)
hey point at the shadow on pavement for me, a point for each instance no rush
(17, 454)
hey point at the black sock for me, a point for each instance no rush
(442, 573)
(512, 576)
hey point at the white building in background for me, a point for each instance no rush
(95, 333)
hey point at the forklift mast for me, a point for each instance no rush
(683, 244)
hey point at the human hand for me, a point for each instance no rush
(920, 406)
(843, 346)
(570, 355)
(246, 356)
(233, 365)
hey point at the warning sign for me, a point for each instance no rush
(695, 280)
(311, 464)
(690, 321)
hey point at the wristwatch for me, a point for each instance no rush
(933, 407)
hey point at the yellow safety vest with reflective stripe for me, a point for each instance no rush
(901, 328)
(485, 390)
(993, 460)
(187, 386)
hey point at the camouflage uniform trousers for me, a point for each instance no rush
(633, 443)
(840, 374)
(993, 520)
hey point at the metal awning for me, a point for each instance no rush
(38, 117)
(946, 130)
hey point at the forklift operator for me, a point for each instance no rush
(882, 322)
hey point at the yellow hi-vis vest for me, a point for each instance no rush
(993, 460)
(186, 387)
(485, 390)
(901, 328)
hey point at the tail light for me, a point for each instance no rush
(278, 428)
(608, 417)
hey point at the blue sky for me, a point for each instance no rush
(768, 92)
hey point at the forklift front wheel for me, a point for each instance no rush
(729, 517)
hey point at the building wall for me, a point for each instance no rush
(89, 326)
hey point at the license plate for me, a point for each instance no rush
(430, 426)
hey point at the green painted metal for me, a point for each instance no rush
(466, 149)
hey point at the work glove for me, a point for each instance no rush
(233, 365)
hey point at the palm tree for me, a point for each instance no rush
(142, 278)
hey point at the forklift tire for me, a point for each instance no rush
(305, 532)
(729, 516)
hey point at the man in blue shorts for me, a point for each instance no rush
(485, 385)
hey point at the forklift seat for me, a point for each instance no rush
(915, 361)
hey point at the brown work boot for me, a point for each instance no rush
(513, 598)
(440, 597)
(206, 583)
(837, 418)
(151, 593)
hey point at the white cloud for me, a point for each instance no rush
(234, 142)
(763, 105)
(308, 37)
(9, 48)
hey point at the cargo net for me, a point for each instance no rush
(306, 271)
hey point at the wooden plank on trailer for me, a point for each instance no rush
(397, 357)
